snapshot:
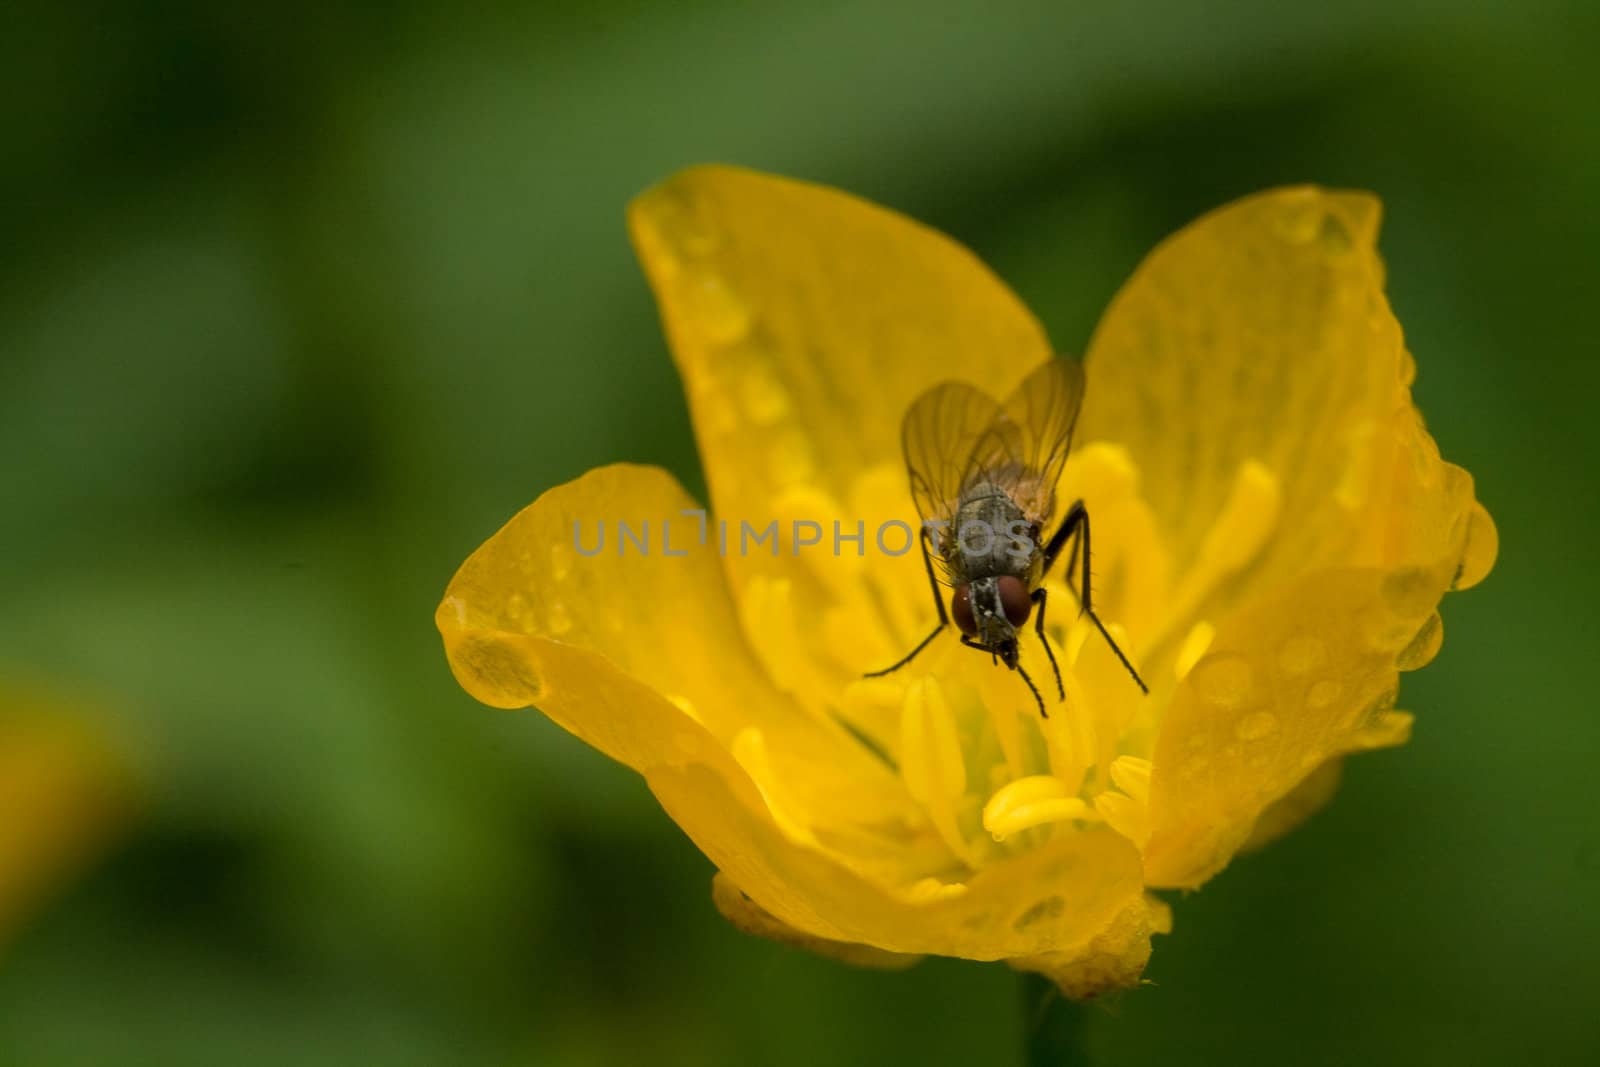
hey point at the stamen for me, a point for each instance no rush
(1132, 775)
(1201, 634)
(931, 761)
(1071, 737)
(1128, 812)
(1125, 815)
(932, 889)
(1028, 802)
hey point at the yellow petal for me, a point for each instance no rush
(1057, 898)
(1113, 959)
(804, 321)
(1257, 338)
(752, 918)
(636, 651)
(1299, 678)
(1258, 380)
(1303, 801)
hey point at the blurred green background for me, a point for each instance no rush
(297, 308)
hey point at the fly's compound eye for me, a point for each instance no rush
(961, 611)
(1014, 600)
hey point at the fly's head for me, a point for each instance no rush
(990, 611)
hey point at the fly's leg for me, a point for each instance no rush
(938, 604)
(1077, 522)
(1039, 597)
(972, 642)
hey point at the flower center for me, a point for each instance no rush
(957, 733)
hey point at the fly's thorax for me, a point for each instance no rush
(991, 536)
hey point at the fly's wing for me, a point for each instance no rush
(1041, 414)
(941, 435)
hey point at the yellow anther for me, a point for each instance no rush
(1028, 802)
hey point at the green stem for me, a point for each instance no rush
(1055, 1028)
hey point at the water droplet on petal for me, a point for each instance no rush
(684, 222)
(1423, 646)
(517, 610)
(1410, 591)
(1223, 679)
(560, 561)
(718, 310)
(1300, 654)
(497, 672)
(1483, 545)
(1299, 216)
(790, 460)
(764, 399)
(1322, 694)
(1255, 726)
(558, 620)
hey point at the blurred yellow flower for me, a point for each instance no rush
(64, 794)
(1274, 530)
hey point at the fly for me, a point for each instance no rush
(983, 475)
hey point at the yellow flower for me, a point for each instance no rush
(65, 793)
(1273, 531)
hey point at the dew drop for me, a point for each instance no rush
(1255, 726)
(1389, 635)
(1423, 646)
(764, 399)
(1223, 679)
(558, 620)
(683, 220)
(517, 609)
(1410, 591)
(1322, 694)
(1483, 545)
(1299, 217)
(497, 673)
(1300, 654)
(560, 561)
(718, 310)
(790, 461)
